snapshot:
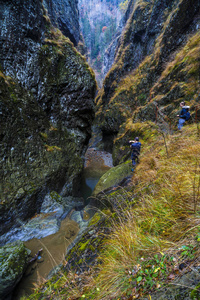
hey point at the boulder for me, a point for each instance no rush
(113, 178)
(13, 261)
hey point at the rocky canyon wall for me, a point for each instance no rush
(156, 64)
(46, 106)
(64, 15)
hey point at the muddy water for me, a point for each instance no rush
(54, 248)
(96, 164)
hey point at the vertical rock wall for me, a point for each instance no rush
(64, 14)
(46, 110)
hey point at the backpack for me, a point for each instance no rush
(187, 116)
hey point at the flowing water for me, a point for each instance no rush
(55, 245)
(53, 251)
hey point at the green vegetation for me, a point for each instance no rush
(154, 224)
(137, 97)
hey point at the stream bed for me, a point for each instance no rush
(54, 246)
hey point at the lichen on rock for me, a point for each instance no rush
(13, 261)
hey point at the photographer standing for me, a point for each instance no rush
(135, 150)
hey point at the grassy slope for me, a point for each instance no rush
(155, 82)
(165, 218)
(149, 239)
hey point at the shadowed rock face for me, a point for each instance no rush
(64, 15)
(46, 110)
(112, 49)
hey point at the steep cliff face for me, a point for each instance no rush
(156, 64)
(46, 110)
(64, 15)
(98, 21)
(109, 55)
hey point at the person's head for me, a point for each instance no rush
(182, 103)
(137, 139)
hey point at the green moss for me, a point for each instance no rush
(95, 219)
(80, 261)
(195, 294)
(92, 248)
(44, 135)
(83, 246)
(52, 148)
(56, 197)
(113, 177)
(13, 260)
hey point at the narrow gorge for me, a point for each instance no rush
(78, 81)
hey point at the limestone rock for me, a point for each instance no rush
(112, 49)
(112, 178)
(46, 111)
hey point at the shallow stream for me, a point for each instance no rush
(53, 251)
(54, 246)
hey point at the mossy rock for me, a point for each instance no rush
(13, 261)
(113, 177)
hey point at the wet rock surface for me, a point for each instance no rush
(53, 210)
(87, 245)
(13, 261)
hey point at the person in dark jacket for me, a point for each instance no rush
(135, 150)
(183, 115)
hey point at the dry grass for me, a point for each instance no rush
(187, 58)
(166, 216)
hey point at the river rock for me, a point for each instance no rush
(38, 227)
(52, 203)
(53, 210)
(13, 261)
